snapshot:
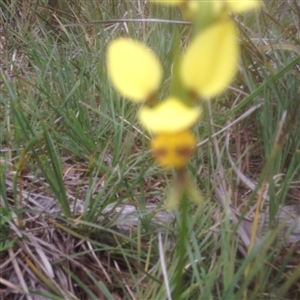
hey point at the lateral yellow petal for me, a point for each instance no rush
(238, 6)
(134, 70)
(169, 116)
(211, 60)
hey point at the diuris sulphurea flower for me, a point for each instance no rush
(205, 70)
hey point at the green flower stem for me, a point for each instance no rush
(183, 233)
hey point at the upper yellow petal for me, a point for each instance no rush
(134, 70)
(169, 116)
(238, 6)
(211, 60)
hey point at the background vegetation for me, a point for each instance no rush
(81, 201)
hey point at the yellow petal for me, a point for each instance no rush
(169, 116)
(134, 70)
(191, 9)
(169, 2)
(238, 6)
(211, 60)
(173, 149)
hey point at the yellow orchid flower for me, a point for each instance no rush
(211, 60)
(206, 69)
(170, 116)
(173, 149)
(134, 70)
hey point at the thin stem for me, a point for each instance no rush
(182, 240)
